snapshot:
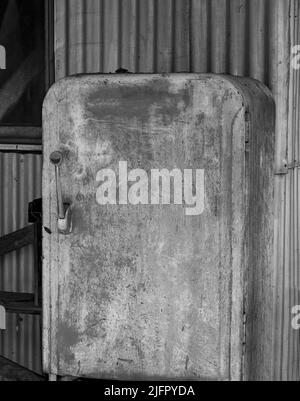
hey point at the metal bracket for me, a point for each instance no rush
(287, 167)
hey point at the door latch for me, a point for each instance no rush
(64, 212)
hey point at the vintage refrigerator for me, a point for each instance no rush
(158, 227)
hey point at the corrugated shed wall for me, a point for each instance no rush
(287, 246)
(241, 37)
(20, 183)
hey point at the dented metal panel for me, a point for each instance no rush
(155, 289)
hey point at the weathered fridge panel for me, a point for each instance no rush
(145, 266)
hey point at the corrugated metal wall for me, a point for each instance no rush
(287, 247)
(241, 37)
(20, 183)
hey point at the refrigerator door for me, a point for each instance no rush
(144, 189)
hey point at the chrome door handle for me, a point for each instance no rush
(64, 218)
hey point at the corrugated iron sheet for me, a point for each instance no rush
(287, 247)
(241, 37)
(20, 183)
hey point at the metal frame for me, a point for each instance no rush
(28, 136)
(19, 302)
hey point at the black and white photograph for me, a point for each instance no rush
(149, 194)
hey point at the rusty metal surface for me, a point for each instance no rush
(145, 291)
